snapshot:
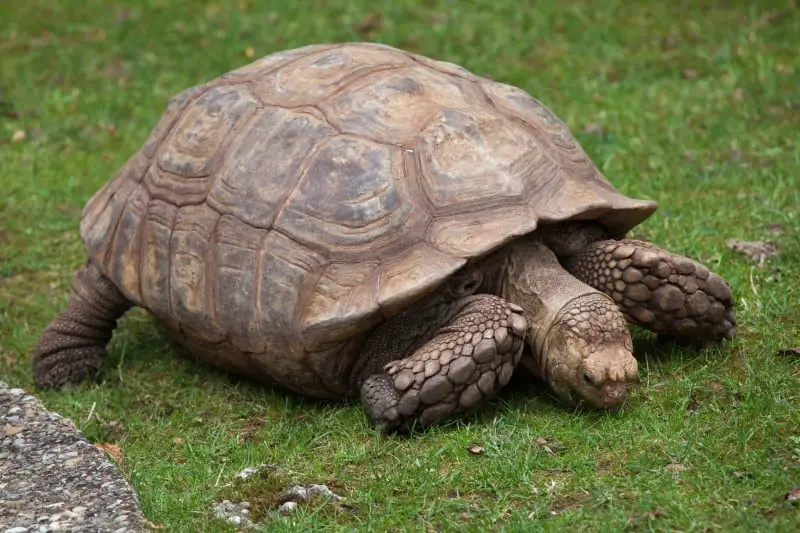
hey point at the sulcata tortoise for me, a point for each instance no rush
(352, 219)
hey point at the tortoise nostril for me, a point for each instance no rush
(616, 391)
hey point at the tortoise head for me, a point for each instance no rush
(579, 339)
(587, 353)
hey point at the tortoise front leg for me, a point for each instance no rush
(466, 363)
(664, 292)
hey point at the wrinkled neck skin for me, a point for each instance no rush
(579, 340)
(534, 279)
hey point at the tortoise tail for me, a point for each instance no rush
(73, 346)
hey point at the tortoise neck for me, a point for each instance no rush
(535, 280)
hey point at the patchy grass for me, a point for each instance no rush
(694, 105)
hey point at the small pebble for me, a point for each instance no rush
(287, 508)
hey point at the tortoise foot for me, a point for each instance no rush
(667, 293)
(466, 363)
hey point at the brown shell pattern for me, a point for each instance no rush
(278, 212)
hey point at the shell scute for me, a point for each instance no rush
(191, 281)
(266, 164)
(348, 196)
(323, 73)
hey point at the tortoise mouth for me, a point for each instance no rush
(608, 396)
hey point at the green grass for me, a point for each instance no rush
(694, 106)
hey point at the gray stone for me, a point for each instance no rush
(234, 513)
(40, 493)
(287, 508)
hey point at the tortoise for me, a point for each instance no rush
(351, 219)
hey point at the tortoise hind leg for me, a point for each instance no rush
(469, 359)
(661, 291)
(72, 347)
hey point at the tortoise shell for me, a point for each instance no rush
(277, 213)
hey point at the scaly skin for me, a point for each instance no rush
(72, 347)
(580, 342)
(466, 363)
(589, 333)
(666, 293)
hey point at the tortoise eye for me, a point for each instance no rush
(587, 377)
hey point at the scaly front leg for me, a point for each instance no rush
(661, 291)
(466, 363)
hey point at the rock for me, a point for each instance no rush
(287, 508)
(40, 492)
(250, 470)
(234, 513)
(758, 251)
